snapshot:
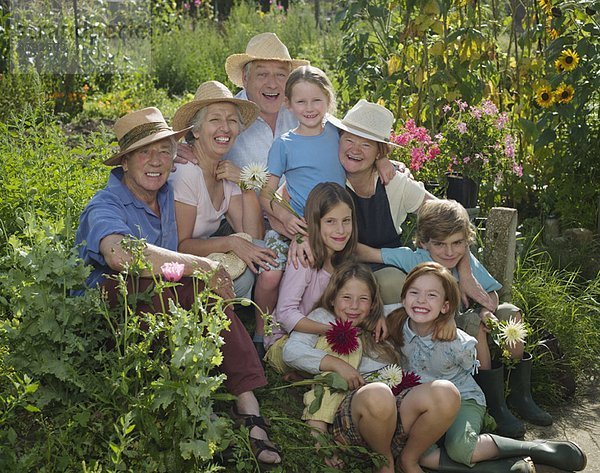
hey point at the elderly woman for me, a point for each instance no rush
(209, 191)
(381, 209)
(138, 202)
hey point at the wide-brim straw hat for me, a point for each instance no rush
(138, 129)
(213, 92)
(367, 120)
(232, 263)
(262, 47)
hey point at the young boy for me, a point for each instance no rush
(444, 233)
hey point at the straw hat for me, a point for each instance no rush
(367, 120)
(138, 129)
(262, 47)
(213, 92)
(232, 263)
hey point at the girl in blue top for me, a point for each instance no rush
(430, 296)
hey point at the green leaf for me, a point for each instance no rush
(31, 408)
(195, 448)
(548, 136)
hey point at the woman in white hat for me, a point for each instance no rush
(209, 191)
(381, 209)
(138, 201)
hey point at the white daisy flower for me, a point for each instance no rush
(253, 177)
(513, 332)
(390, 375)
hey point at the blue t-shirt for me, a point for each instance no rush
(407, 258)
(305, 161)
(115, 211)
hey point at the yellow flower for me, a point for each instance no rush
(558, 65)
(569, 59)
(553, 34)
(544, 97)
(546, 5)
(564, 93)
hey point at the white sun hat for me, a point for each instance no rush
(367, 120)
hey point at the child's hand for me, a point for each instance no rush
(351, 375)
(228, 170)
(294, 225)
(470, 288)
(445, 332)
(486, 315)
(381, 330)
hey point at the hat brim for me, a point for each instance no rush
(234, 65)
(116, 159)
(184, 114)
(358, 131)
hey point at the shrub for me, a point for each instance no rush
(90, 385)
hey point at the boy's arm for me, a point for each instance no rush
(470, 287)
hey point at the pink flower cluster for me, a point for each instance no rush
(172, 271)
(422, 147)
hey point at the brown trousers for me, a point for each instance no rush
(240, 360)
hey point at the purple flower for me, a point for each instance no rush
(518, 169)
(186, 6)
(501, 121)
(489, 108)
(462, 106)
(461, 127)
(477, 113)
(172, 271)
(197, 2)
(446, 108)
(466, 159)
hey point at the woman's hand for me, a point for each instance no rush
(381, 330)
(445, 332)
(185, 154)
(300, 252)
(228, 170)
(253, 255)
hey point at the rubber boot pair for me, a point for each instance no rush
(563, 455)
(504, 465)
(491, 383)
(519, 398)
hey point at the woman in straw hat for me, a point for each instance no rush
(381, 209)
(138, 201)
(208, 192)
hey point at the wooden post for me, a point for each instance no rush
(500, 247)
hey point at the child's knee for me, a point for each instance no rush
(376, 401)
(269, 280)
(444, 396)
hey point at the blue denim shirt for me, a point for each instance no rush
(114, 210)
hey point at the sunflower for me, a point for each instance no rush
(553, 33)
(558, 65)
(546, 5)
(544, 97)
(564, 93)
(569, 59)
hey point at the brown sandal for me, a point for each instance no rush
(257, 445)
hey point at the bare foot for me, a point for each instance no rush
(266, 456)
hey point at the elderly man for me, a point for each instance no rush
(138, 201)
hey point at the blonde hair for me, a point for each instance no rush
(353, 270)
(312, 75)
(438, 219)
(324, 197)
(398, 317)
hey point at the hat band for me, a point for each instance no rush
(140, 132)
(364, 130)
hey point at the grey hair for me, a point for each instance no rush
(247, 66)
(200, 116)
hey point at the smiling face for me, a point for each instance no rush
(219, 129)
(309, 104)
(147, 169)
(356, 154)
(336, 228)
(448, 251)
(424, 301)
(353, 302)
(264, 82)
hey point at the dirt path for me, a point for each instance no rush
(578, 421)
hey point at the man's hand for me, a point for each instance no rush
(185, 154)
(221, 283)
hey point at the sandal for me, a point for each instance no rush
(256, 445)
